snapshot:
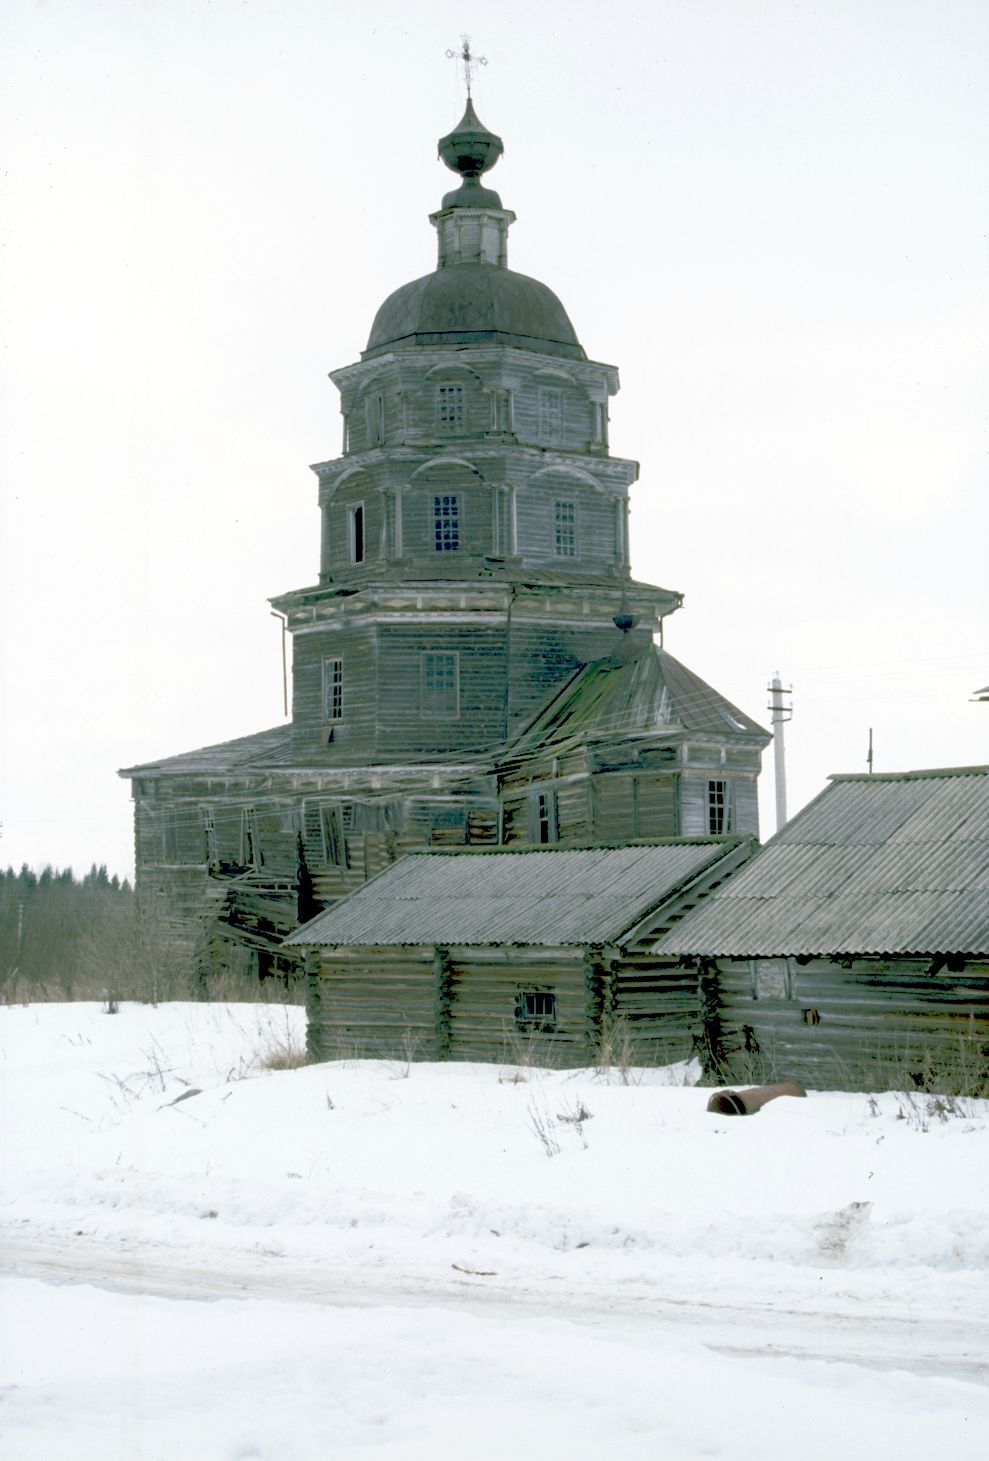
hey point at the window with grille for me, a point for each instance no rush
(565, 529)
(535, 1010)
(440, 685)
(333, 689)
(718, 808)
(550, 413)
(451, 406)
(446, 523)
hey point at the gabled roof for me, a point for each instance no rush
(535, 896)
(264, 748)
(886, 864)
(609, 699)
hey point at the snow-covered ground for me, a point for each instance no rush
(206, 1259)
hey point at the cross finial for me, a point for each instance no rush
(466, 55)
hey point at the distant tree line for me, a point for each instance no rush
(56, 932)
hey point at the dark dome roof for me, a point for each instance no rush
(474, 304)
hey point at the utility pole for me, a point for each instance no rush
(781, 714)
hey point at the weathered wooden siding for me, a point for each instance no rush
(874, 1025)
(484, 993)
(374, 1004)
(657, 1010)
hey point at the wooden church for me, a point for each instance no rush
(474, 666)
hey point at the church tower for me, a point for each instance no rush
(474, 531)
(474, 665)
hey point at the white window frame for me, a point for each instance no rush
(333, 688)
(565, 528)
(719, 806)
(439, 684)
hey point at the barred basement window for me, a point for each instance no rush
(446, 523)
(333, 689)
(565, 529)
(535, 1011)
(718, 808)
(550, 413)
(440, 675)
(451, 407)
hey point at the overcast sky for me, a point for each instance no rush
(772, 217)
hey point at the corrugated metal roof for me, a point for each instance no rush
(650, 692)
(265, 748)
(891, 864)
(545, 897)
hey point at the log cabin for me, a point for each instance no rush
(852, 951)
(475, 665)
(517, 953)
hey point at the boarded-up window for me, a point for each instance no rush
(550, 413)
(375, 409)
(333, 689)
(334, 841)
(440, 675)
(446, 522)
(451, 406)
(565, 529)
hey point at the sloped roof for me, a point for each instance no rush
(886, 864)
(537, 896)
(649, 692)
(264, 748)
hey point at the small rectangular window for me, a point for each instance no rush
(535, 1010)
(543, 814)
(333, 689)
(446, 523)
(718, 808)
(565, 529)
(440, 685)
(375, 409)
(357, 533)
(451, 403)
(550, 413)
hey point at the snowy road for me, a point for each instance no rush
(922, 1344)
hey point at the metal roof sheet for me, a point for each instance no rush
(889, 864)
(546, 897)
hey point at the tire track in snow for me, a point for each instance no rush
(925, 1344)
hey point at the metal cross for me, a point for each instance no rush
(466, 55)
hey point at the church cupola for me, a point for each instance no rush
(471, 224)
